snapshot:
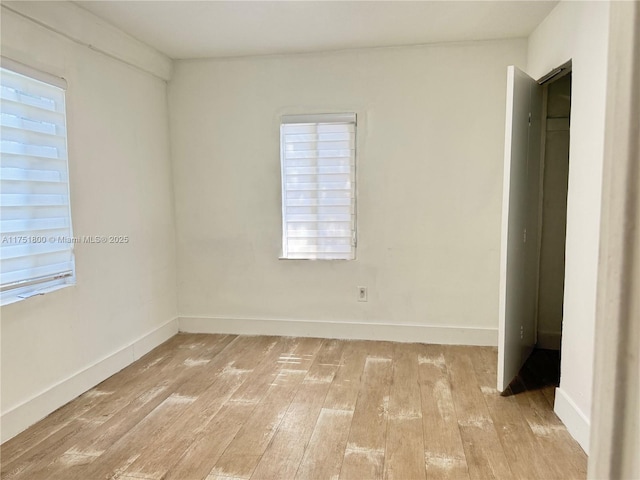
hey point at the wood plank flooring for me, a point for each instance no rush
(231, 407)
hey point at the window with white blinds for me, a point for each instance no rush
(36, 249)
(318, 156)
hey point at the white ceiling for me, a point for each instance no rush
(196, 29)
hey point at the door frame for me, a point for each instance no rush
(615, 435)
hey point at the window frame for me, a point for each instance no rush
(39, 285)
(320, 118)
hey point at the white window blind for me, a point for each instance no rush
(318, 157)
(36, 250)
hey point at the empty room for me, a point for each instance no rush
(320, 240)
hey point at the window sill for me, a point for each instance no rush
(18, 297)
(316, 259)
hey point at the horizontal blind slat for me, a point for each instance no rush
(319, 186)
(34, 261)
(25, 200)
(8, 120)
(306, 128)
(17, 251)
(319, 218)
(34, 212)
(317, 202)
(318, 170)
(319, 241)
(292, 234)
(319, 248)
(33, 224)
(319, 162)
(19, 148)
(339, 153)
(330, 210)
(29, 273)
(331, 178)
(36, 101)
(321, 225)
(27, 89)
(33, 138)
(27, 174)
(318, 146)
(21, 110)
(319, 137)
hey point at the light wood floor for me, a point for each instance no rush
(227, 407)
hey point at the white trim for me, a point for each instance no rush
(9, 299)
(154, 338)
(615, 438)
(83, 27)
(343, 330)
(504, 230)
(39, 406)
(313, 123)
(320, 118)
(574, 419)
(27, 71)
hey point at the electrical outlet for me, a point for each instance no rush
(521, 332)
(362, 294)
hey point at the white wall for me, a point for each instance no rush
(578, 31)
(430, 153)
(58, 345)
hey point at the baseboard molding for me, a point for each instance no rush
(574, 419)
(453, 335)
(549, 340)
(36, 408)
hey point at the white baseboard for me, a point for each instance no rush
(549, 340)
(151, 340)
(343, 330)
(36, 408)
(574, 419)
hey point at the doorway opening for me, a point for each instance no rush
(534, 216)
(555, 132)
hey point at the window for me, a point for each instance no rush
(318, 186)
(36, 248)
